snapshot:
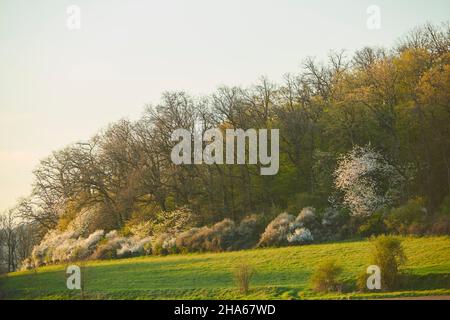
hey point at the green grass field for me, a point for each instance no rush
(281, 273)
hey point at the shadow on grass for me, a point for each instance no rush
(424, 282)
(406, 282)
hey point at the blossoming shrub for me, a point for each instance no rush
(65, 246)
(287, 229)
(222, 236)
(116, 246)
(277, 231)
(367, 181)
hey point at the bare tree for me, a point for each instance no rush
(8, 225)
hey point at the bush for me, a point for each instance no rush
(163, 244)
(335, 224)
(242, 276)
(172, 222)
(372, 225)
(311, 223)
(300, 235)
(441, 225)
(218, 237)
(285, 229)
(133, 247)
(222, 236)
(65, 246)
(107, 248)
(388, 255)
(409, 218)
(277, 231)
(155, 223)
(326, 277)
(247, 233)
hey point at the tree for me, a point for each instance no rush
(8, 225)
(368, 182)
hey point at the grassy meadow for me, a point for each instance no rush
(281, 273)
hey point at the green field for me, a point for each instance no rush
(281, 273)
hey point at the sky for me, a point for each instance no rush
(60, 85)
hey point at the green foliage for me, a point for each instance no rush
(395, 100)
(372, 225)
(388, 254)
(409, 218)
(243, 275)
(303, 200)
(445, 206)
(326, 277)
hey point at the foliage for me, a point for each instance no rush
(360, 175)
(286, 229)
(281, 274)
(243, 275)
(409, 218)
(389, 256)
(326, 277)
(368, 132)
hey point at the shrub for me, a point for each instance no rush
(107, 248)
(409, 218)
(133, 247)
(277, 231)
(441, 225)
(310, 222)
(154, 223)
(372, 225)
(172, 222)
(307, 217)
(65, 246)
(242, 276)
(300, 235)
(163, 244)
(366, 180)
(326, 277)
(285, 229)
(388, 255)
(247, 233)
(335, 224)
(361, 282)
(218, 237)
(222, 236)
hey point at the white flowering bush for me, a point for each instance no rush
(115, 245)
(173, 222)
(300, 235)
(306, 216)
(134, 247)
(367, 181)
(277, 230)
(65, 246)
(287, 229)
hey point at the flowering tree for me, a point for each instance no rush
(368, 182)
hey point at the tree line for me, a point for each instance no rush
(396, 101)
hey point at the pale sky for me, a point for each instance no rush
(59, 86)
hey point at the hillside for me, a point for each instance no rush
(282, 273)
